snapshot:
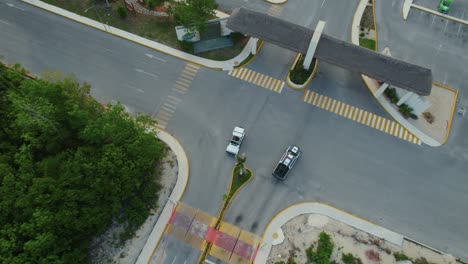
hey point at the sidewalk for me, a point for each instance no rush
(442, 98)
(217, 65)
(176, 195)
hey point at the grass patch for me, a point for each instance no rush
(158, 29)
(237, 181)
(367, 43)
(299, 75)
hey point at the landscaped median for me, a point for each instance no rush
(298, 77)
(240, 176)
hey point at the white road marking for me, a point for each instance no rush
(148, 73)
(209, 261)
(322, 3)
(13, 6)
(4, 22)
(174, 259)
(154, 57)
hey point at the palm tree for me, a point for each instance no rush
(240, 163)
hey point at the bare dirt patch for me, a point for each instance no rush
(303, 231)
(107, 248)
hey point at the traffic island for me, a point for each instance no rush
(314, 232)
(428, 118)
(240, 176)
(298, 77)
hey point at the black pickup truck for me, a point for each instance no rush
(286, 162)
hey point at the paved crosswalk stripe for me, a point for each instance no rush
(186, 76)
(174, 98)
(167, 109)
(359, 115)
(257, 78)
(192, 66)
(190, 71)
(183, 83)
(169, 105)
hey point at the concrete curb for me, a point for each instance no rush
(294, 85)
(428, 10)
(372, 83)
(406, 8)
(176, 195)
(276, 2)
(217, 65)
(323, 209)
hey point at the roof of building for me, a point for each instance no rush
(332, 50)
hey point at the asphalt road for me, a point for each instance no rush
(415, 190)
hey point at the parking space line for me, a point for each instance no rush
(359, 115)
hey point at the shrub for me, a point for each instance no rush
(186, 46)
(429, 117)
(280, 262)
(362, 34)
(299, 75)
(236, 36)
(399, 256)
(391, 94)
(151, 3)
(350, 259)
(291, 260)
(405, 110)
(324, 250)
(121, 10)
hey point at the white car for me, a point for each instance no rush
(236, 140)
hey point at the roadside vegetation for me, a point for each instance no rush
(192, 15)
(69, 168)
(367, 32)
(299, 75)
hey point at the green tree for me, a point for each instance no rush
(194, 14)
(240, 163)
(68, 168)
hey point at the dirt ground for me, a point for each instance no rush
(104, 248)
(303, 231)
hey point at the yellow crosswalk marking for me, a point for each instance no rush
(257, 78)
(359, 115)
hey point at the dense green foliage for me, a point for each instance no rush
(193, 14)
(400, 256)
(299, 75)
(324, 250)
(121, 10)
(68, 169)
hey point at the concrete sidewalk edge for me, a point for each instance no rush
(369, 83)
(212, 64)
(323, 209)
(176, 195)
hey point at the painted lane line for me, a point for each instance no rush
(4, 22)
(154, 57)
(13, 6)
(147, 73)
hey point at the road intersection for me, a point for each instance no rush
(415, 190)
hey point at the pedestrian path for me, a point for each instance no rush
(359, 115)
(181, 87)
(275, 10)
(259, 79)
(196, 228)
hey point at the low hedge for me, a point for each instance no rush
(299, 75)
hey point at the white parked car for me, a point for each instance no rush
(236, 140)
